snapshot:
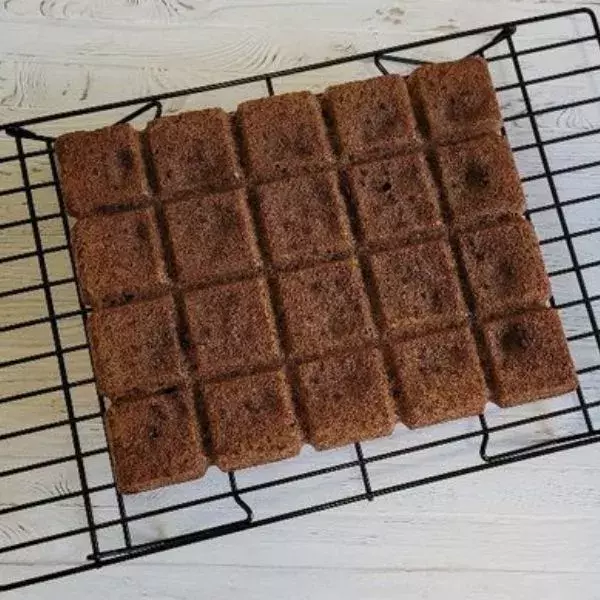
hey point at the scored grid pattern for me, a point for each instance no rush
(488, 432)
(337, 312)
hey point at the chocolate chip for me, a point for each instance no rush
(477, 175)
(515, 337)
(141, 230)
(125, 159)
(508, 271)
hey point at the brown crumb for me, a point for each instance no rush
(325, 308)
(194, 151)
(101, 170)
(283, 136)
(456, 99)
(505, 268)
(304, 219)
(480, 180)
(135, 348)
(232, 328)
(119, 257)
(212, 238)
(372, 118)
(396, 199)
(529, 357)
(251, 421)
(418, 288)
(154, 441)
(439, 378)
(345, 399)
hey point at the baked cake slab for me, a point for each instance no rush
(308, 269)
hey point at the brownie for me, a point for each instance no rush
(212, 238)
(283, 136)
(504, 268)
(194, 151)
(395, 199)
(456, 100)
(439, 378)
(345, 399)
(371, 118)
(480, 181)
(155, 441)
(251, 421)
(222, 272)
(418, 288)
(529, 357)
(101, 170)
(325, 308)
(304, 219)
(135, 348)
(119, 257)
(232, 328)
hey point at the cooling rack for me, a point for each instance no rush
(552, 120)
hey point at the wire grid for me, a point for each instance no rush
(107, 531)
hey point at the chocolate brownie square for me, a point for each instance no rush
(119, 257)
(371, 118)
(345, 399)
(504, 268)
(194, 151)
(232, 328)
(325, 308)
(439, 378)
(480, 180)
(155, 441)
(212, 238)
(135, 348)
(529, 357)
(395, 199)
(283, 136)
(304, 219)
(418, 288)
(251, 421)
(101, 170)
(456, 99)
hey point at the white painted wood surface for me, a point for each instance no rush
(525, 531)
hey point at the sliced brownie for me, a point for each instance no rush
(371, 118)
(194, 151)
(504, 268)
(101, 170)
(456, 99)
(212, 238)
(418, 288)
(439, 378)
(283, 136)
(119, 257)
(232, 328)
(395, 199)
(325, 308)
(480, 180)
(135, 348)
(529, 357)
(155, 441)
(251, 421)
(345, 399)
(304, 219)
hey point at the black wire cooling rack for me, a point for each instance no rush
(60, 512)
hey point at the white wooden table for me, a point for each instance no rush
(530, 530)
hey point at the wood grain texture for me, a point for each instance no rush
(526, 531)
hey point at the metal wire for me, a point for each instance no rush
(482, 434)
